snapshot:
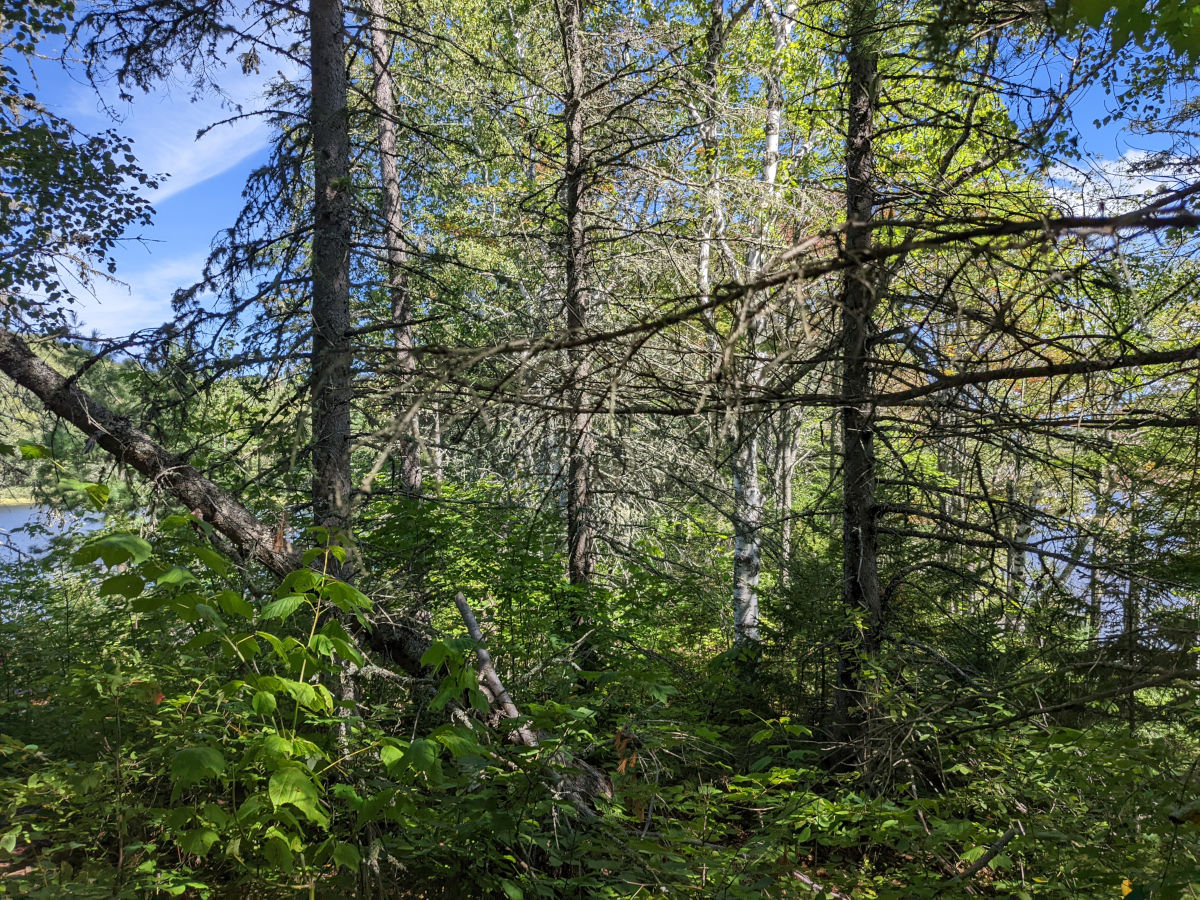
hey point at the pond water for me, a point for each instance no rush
(26, 530)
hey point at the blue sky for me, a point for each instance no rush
(200, 196)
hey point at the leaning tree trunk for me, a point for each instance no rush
(860, 543)
(331, 376)
(208, 501)
(393, 219)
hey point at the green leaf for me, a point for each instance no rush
(279, 854)
(176, 575)
(345, 597)
(391, 754)
(264, 703)
(422, 756)
(127, 585)
(276, 644)
(215, 561)
(8, 842)
(461, 742)
(437, 654)
(242, 646)
(292, 786)
(511, 891)
(97, 494)
(216, 815)
(234, 603)
(283, 607)
(195, 764)
(114, 549)
(1092, 11)
(209, 614)
(30, 450)
(198, 841)
(973, 853)
(346, 856)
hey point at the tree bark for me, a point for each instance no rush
(331, 377)
(581, 536)
(393, 220)
(747, 495)
(1018, 556)
(133, 447)
(709, 147)
(785, 470)
(860, 541)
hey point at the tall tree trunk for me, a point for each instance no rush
(709, 147)
(1018, 554)
(331, 378)
(393, 220)
(581, 537)
(1131, 612)
(785, 470)
(860, 543)
(1095, 595)
(747, 496)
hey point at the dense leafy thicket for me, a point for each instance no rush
(727, 450)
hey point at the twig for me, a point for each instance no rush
(993, 851)
(488, 671)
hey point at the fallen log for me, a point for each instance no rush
(133, 447)
(402, 643)
(171, 473)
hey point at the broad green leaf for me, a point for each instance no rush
(114, 549)
(279, 854)
(198, 841)
(437, 654)
(176, 575)
(422, 756)
(1092, 11)
(195, 764)
(391, 754)
(127, 585)
(345, 597)
(234, 603)
(216, 815)
(215, 561)
(283, 607)
(292, 786)
(346, 856)
(209, 614)
(31, 450)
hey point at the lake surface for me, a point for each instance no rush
(26, 530)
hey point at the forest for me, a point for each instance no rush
(697, 448)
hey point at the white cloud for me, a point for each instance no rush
(164, 126)
(1101, 186)
(143, 302)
